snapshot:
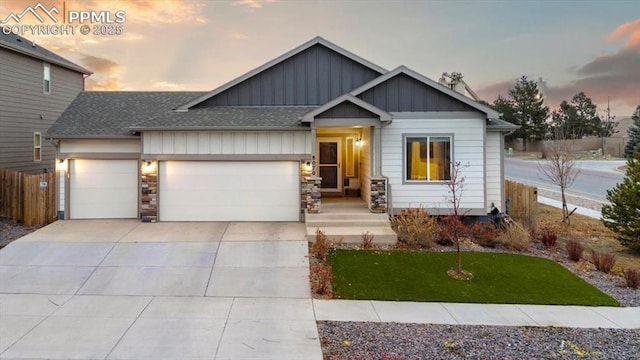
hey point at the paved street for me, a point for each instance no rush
(594, 179)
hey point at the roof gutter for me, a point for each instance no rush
(88, 137)
(203, 128)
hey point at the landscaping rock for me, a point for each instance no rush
(349, 340)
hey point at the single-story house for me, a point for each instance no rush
(261, 147)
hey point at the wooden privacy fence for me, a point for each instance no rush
(522, 201)
(28, 198)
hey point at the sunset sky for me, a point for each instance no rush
(590, 46)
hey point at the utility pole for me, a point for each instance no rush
(605, 127)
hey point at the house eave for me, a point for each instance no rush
(219, 128)
(89, 137)
(490, 113)
(39, 56)
(310, 116)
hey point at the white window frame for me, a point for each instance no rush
(46, 78)
(37, 146)
(405, 157)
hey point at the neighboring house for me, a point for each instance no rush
(36, 86)
(243, 151)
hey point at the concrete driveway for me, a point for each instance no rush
(121, 289)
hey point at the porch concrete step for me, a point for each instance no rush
(382, 235)
(346, 222)
(346, 216)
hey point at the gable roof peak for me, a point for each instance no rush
(314, 41)
(429, 82)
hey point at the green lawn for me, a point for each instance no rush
(421, 276)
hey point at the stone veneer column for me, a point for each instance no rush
(378, 195)
(149, 191)
(313, 194)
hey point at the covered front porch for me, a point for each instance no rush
(346, 156)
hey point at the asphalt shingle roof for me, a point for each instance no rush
(229, 117)
(26, 46)
(111, 113)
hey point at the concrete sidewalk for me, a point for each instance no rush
(477, 314)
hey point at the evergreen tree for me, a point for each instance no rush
(525, 107)
(576, 119)
(634, 134)
(623, 215)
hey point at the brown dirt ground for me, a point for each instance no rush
(590, 232)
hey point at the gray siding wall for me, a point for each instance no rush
(347, 110)
(403, 93)
(312, 77)
(22, 101)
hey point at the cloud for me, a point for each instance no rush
(238, 36)
(490, 92)
(630, 30)
(106, 73)
(614, 76)
(168, 86)
(146, 11)
(252, 4)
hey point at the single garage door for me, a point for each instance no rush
(103, 189)
(229, 191)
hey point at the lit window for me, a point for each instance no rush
(37, 146)
(46, 82)
(428, 158)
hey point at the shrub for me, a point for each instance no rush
(321, 279)
(415, 228)
(515, 237)
(484, 234)
(451, 230)
(548, 238)
(603, 262)
(320, 247)
(367, 240)
(574, 250)
(621, 215)
(632, 278)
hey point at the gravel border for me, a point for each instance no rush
(10, 230)
(351, 340)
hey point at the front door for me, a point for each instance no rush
(328, 151)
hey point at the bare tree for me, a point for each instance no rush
(454, 227)
(561, 169)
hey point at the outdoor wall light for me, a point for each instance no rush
(307, 166)
(61, 165)
(359, 142)
(148, 167)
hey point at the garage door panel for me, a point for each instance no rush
(229, 191)
(103, 189)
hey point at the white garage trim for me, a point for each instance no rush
(229, 191)
(103, 189)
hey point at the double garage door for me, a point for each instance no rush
(189, 190)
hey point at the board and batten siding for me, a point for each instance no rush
(23, 102)
(494, 170)
(227, 142)
(311, 77)
(468, 149)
